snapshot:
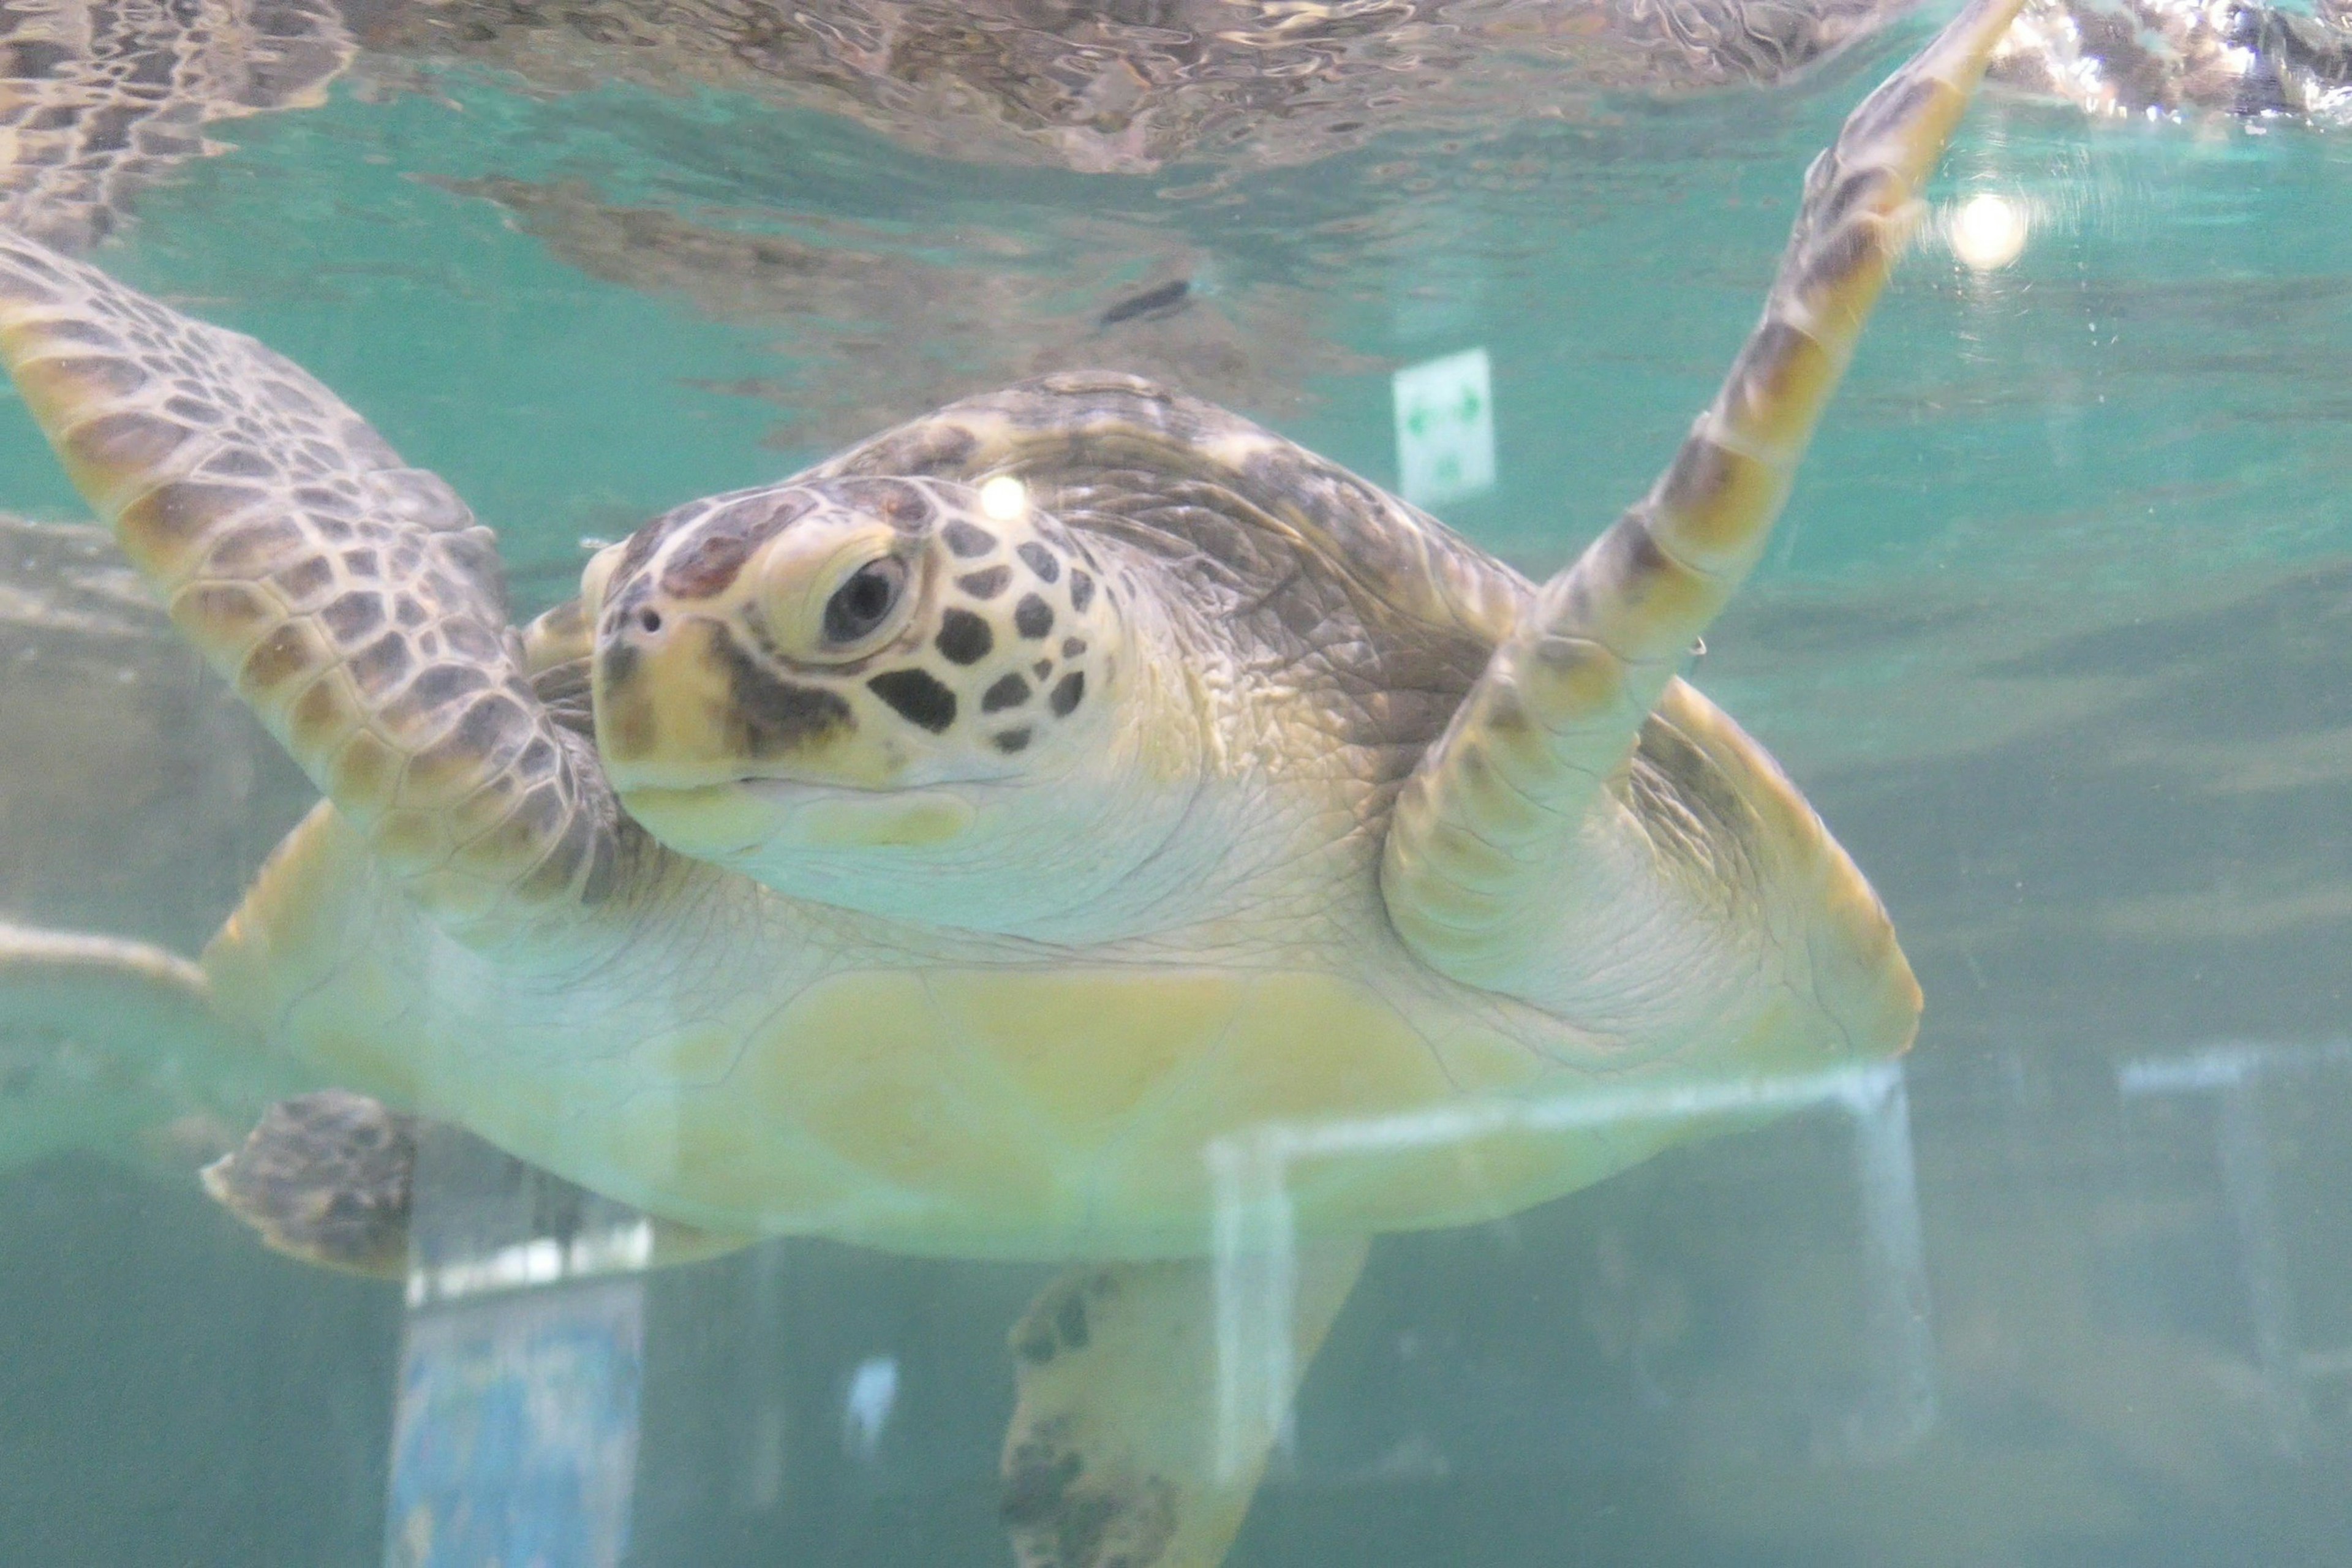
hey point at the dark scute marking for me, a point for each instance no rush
(1166, 297)
(466, 636)
(769, 715)
(125, 443)
(622, 603)
(101, 377)
(1630, 560)
(240, 462)
(1897, 102)
(482, 735)
(1067, 693)
(1771, 352)
(1041, 561)
(1012, 741)
(1011, 691)
(446, 683)
(1693, 815)
(1702, 471)
(1032, 618)
(179, 512)
(968, 541)
(965, 637)
(1072, 647)
(1037, 1483)
(1837, 260)
(894, 502)
(1849, 189)
(352, 616)
(380, 665)
(1042, 668)
(277, 658)
(647, 540)
(85, 332)
(233, 609)
(320, 720)
(707, 563)
(925, 448)
(305, 577)
(985, 584)
(620, 663)
(918, 697)
(1070, 1322)
(1063, 1518)
(1082, 589)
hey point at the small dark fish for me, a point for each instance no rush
(1166, 296)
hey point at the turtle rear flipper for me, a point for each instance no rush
(1119, 1452)
(326, 1178)
(353, 601)
(1507, 799)
(330, 1178)
(133, 999)
(115, 1046)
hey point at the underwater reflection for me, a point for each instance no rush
(107, 98)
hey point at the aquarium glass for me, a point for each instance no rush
(2054, 633)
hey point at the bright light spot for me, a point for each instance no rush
(1988, 232)
(1445, 428)
(873, 1390)
(1004, 498)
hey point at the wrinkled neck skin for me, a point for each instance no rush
(1132, 832)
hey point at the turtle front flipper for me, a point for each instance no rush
(130, 998)
(1120, 1453)
(352, 601)
(1501, 804)
(115, 1046)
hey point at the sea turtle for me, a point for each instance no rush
(1076, 826)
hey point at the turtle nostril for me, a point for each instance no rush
(650, 619)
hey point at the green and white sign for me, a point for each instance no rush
(1445, 428)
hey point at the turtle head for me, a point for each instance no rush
(863, 690)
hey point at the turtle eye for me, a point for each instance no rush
(862, 604)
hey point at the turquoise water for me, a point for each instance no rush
(2053, 634)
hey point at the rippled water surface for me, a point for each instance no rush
(2056, 633)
